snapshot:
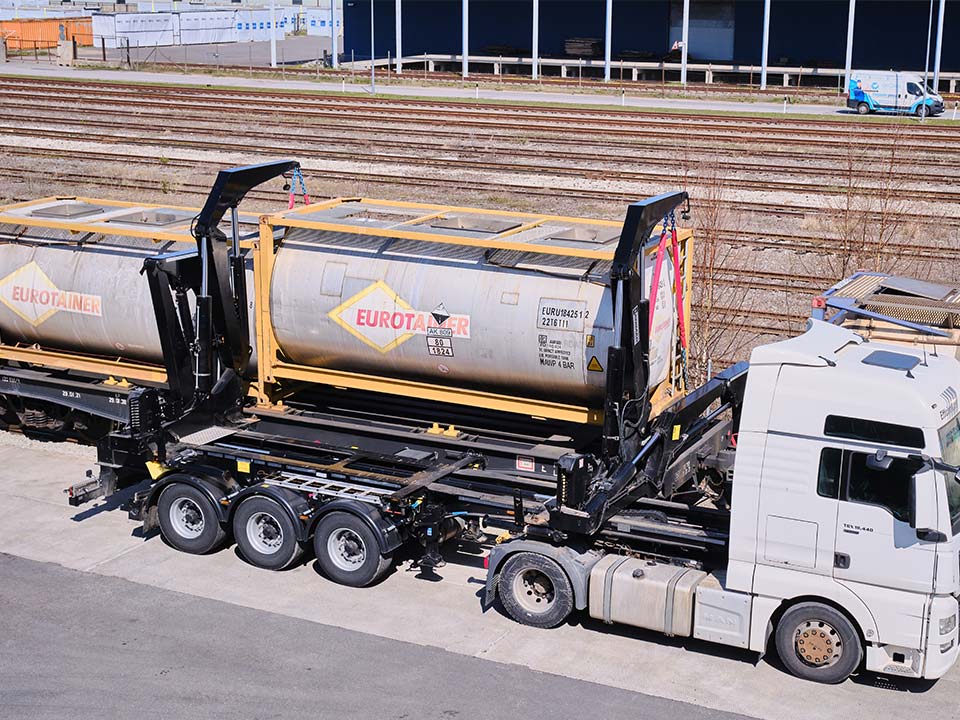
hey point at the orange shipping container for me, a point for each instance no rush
(45, 32)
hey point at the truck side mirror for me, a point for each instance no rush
(923, 508)
(912, 501)
(879, 460)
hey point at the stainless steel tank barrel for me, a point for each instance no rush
(88, 298)
(453, 315)
(371, 300)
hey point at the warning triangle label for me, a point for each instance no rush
(440, 314)
(594, 365)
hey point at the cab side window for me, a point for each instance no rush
(873, 431)
(828, 480)
(914, 89)
(889, 489)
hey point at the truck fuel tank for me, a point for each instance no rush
(644, 593)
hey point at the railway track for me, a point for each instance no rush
(352, 178)
(462, 111)
(798, 243)
(292, 143)
(456, 136)
(578, 150)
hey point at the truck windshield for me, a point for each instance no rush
(953, 499)
(950, 441)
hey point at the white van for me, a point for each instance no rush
(899, 92)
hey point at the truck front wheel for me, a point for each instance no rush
(188, 520)
(817, 642)
(348, 551)
(863, 108)
(535, 590)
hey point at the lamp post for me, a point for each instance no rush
(373, 67)
(926, 63)
(273, 33)
(684, 35)
(334, 50)
(766, 45)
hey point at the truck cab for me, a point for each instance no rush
(845, 496)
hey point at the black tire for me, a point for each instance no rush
(348, 551)
(188, 520)
(863, 109)
(265, 534)
(817, 642)
(923, 110)
(535, 590)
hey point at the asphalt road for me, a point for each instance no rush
(77, 645)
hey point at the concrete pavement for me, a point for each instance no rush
(82, 646)
(445, 92)
(440, 613)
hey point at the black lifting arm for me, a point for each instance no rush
(222, 302)
(677, 429)
(628, 358)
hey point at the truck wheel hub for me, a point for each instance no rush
(186, 518)
(264, 533)
(817, 643)
(533, 590)
(346, 549)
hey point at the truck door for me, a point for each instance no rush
(875, 543)
(878, 555)
(798, 505)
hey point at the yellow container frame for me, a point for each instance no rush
(278, 378)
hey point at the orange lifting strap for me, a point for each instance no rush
(677, 280)
(295, 177)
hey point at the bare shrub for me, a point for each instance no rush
(719, 333)
(868, 223)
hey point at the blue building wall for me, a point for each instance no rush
(889, 33)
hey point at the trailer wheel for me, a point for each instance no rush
(188, 520)
(265, 534)
(348, 551)
(817, 642)
(863, 109)
(535, 590)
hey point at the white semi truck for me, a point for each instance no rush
(844, 519)
(357, 375)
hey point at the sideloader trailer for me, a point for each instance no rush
(356, 375)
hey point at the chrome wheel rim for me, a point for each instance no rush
(346, 549)
(264, 533)
(186, 517)
(817, 643)
(534, 591)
